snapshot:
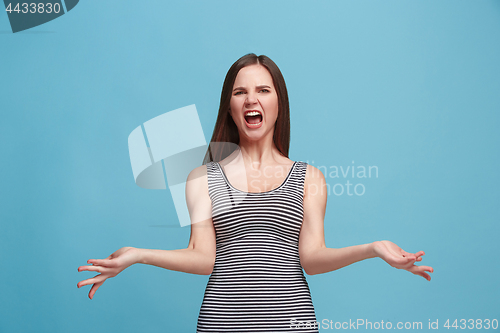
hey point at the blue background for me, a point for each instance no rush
(411, 87)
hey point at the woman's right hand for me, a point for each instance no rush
(400, 259)
(109, 267)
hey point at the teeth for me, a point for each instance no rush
(252, 113)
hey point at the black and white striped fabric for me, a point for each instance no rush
(257, 283)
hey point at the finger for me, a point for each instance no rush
(427, 268)
(94, 289)
(98, 269)
(420, 253)
(424, 275)
(409, 265)
(421, 270)
(95, 279)
(101, 262)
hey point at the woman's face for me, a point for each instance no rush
(254, 102)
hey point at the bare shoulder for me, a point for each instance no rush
(314, 175)
(314, 184)
(197, 184)
(198, 172)
(197, 197)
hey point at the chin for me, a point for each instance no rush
(255, 135)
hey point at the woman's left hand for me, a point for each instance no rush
(109, 267)
(398, 258)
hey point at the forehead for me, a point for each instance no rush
(253, 75)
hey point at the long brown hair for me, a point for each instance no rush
(226, 132)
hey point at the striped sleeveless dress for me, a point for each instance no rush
(257, 283)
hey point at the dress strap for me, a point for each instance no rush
(298, 177)
(216, 184)
(214, 178)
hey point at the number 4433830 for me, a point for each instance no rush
(472, 324)
(34, 8)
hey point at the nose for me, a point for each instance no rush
(251, 98)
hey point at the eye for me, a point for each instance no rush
(265, 90)
(238, 93)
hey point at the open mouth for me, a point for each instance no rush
(253, 117)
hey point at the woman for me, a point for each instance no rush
(257, 217)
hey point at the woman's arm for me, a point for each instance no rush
(316, 258)
(197, 258)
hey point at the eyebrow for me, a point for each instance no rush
(258, 87)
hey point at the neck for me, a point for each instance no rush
(259, 152)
